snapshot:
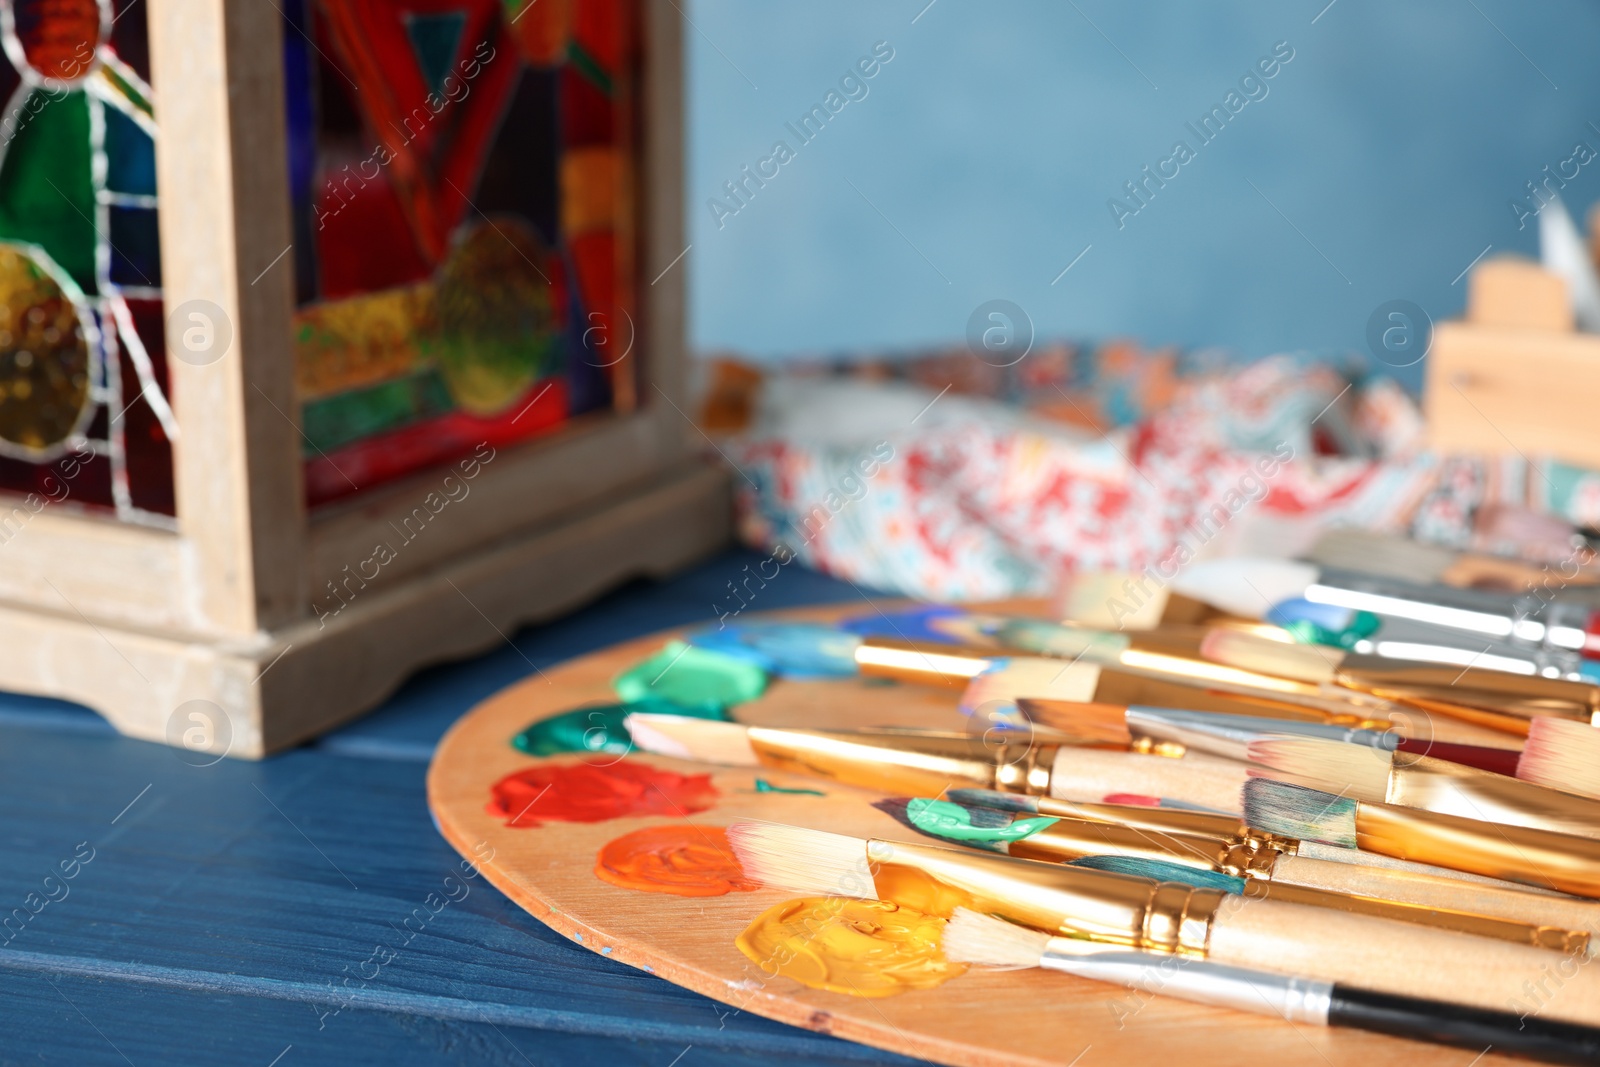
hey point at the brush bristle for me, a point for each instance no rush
(970, 937)
(807, 862)
(1297, 812)
(1331, 766)
(989, 798)
(982, 818)
(1562, 754)
(1085, 721)
(1305, 663)
(1161, 871)
(701, 740)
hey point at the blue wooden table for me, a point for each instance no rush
(159, 913)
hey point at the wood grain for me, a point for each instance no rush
(983, 1019)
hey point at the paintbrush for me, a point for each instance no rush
(1563, 862)
(1173, 731)
(1158, 678)
(1477, 680)
(1232, 829)
(1424, 782)
(1250, 587)
(926, 762)
(1562, 755)
(1382, 954)
(972, 938)
(1265, 873)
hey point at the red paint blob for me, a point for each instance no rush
(687, 861)
(595, 792)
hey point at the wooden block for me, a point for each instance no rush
(1500, 391)
(1518, 294)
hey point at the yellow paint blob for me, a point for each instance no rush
(867, 948)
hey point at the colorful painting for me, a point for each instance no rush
(84, 414)
(462, 175)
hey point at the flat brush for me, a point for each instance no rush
(1563, 862)
(1173, 731)
(1426, 783)
(925, 762)
(1477, 681)
(1158, 676)
(1230, 828)
(1562, 755)
(1377, 953)
(972, 938)
(1267, 874)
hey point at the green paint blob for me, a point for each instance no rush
(944, 819)
(597, 728)
(1362, 625)
(764, 786)
(1162, 871)
(692, 677)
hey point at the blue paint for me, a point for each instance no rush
(1394, 141)
(789, 649)
(281, 927)
(910, 624)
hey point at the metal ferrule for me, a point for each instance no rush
(1451, 789)
(1499, 691)
(1097, 905)
(907, 764)
(1297, 1000)
(1070, 839)
(1563, 862)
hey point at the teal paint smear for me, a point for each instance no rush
(691, 677)
(1162, 871)
(597, 728)
(764, 786)
(951, 821)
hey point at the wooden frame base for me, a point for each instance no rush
(260, 694)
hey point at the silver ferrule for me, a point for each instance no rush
(1298, 1000)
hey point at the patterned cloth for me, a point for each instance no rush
(975, 499)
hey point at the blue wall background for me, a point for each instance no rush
(980, 162)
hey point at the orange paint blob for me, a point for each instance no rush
(687, 861)
(595, 792)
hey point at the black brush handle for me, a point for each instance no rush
(1471, 1028)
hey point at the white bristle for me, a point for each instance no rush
(809, 862)
(971, 937)
(1355, 771)
(1245, 586)
(701, 740)
(1250, 652)
(1562, 754)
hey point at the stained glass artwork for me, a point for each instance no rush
(84, 414)
(463, 180)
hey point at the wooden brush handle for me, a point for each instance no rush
(1088, 775)
(1387, 956)
(1450, 894)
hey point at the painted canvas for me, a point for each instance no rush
(463, 183)
(84, 414)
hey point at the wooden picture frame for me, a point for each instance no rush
(206, 636)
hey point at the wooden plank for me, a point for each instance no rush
(277, 689)
(982, 1018)
(271, 883)
(221, 168)
(72, 1020)
(665, 360)
(1517, 294)
(1498, 392)
(409, 725)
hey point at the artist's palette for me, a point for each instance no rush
(547, 865)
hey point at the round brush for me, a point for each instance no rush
(978, 939)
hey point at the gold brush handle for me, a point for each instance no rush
(1386, 956)
(1519, 933)
(1439, 892)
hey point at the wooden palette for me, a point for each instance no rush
(979, 1018)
